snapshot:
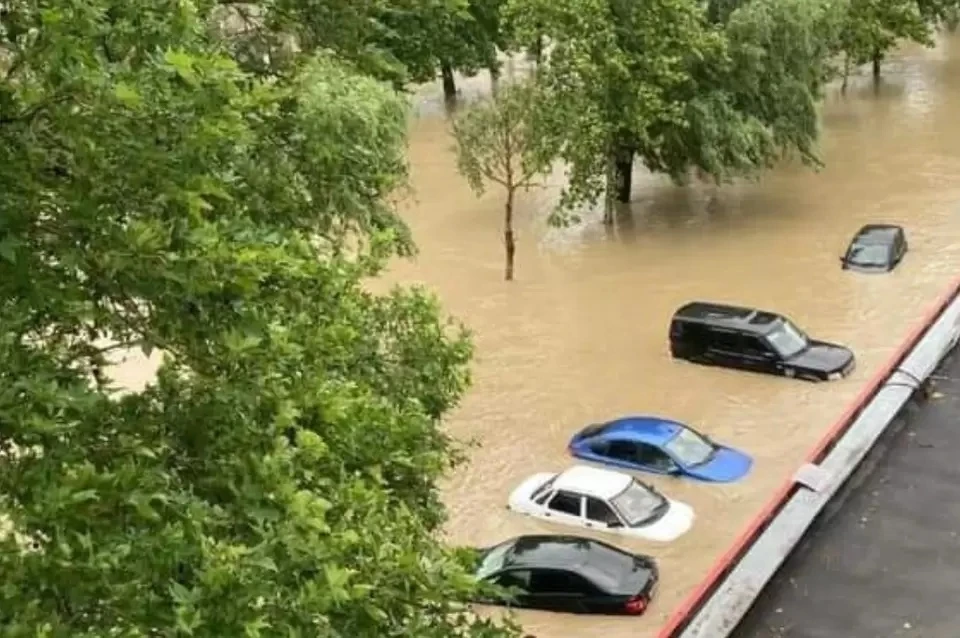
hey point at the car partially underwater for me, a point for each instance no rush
(659, 446)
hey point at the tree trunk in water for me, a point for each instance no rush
(449, 84)
(877, 58)
(623, 169)
(846, 73)
(494, 80)
(509, 243)
(610, 192)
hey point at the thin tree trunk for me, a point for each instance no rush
(623, 166)
(846, 73)
(877, 58)
(495, 79)
(509, 242)
(449, 84)
(538, 50)
(610, 192)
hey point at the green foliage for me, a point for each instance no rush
(278, 479)
(613, 76)
(500, 141)
(757, 101)
(873, 27)
(399, 41)
(663, 81)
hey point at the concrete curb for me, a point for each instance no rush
(731, 586)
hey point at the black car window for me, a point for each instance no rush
(555, 581)
(622, 450)
(600, 447)
(654, 457)
(723, 340)
(567, 503)
(755, 346)
(515, 578)
(599, 511)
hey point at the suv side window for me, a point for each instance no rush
(724, 340)
(567, 503)
(755, 346)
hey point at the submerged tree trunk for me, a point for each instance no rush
(610, 192)
(846, 73)
(509, 242)
(877, 59)
(449, 84)
(623, 171)
(619, 180)
(537, 49)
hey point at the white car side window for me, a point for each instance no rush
(567, 503)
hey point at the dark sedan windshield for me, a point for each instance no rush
(870, 255)
(787, 339)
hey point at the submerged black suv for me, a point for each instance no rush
(733, 337)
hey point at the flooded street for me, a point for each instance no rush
(581, 336)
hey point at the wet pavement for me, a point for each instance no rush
(883, 562)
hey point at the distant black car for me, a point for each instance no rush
(756, 340)
(875, 248)
(568, 574)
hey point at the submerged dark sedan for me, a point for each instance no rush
(568, 574)
(876, 248)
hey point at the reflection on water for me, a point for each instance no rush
(581, 335)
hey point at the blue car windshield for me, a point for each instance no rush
(689, 448)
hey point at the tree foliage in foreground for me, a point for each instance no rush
(278, 479)
(497, 142)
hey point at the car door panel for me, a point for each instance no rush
(559, 508)
(758, 356)
(558, 590)
(723, 349)
(655, 460)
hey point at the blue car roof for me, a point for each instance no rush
(645, 429)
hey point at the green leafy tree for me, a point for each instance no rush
(497, 142)
(432, 36)
(612, 68)
(278, 477)
(726, 91)
(400, 41)
(757, 100)
(873, 27)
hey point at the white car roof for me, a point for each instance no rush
(591, 481)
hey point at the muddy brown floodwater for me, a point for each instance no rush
(581, 335)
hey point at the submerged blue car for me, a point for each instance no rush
(659, 446)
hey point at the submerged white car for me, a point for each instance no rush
(602, 499)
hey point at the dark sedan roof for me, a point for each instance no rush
(547, 551)
(877, 234)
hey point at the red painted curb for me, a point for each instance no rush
(694, 600)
